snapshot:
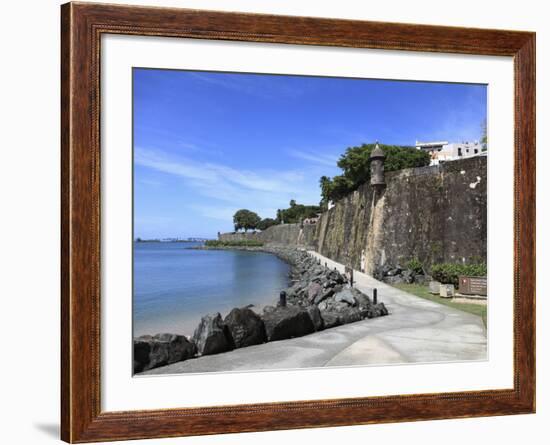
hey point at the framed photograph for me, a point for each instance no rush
(274, 222)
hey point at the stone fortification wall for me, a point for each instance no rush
(296, 235)
(436, 214)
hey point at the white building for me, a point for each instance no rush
(442, 151)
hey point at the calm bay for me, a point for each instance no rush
(174, 284)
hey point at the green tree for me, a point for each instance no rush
(266, 223)
(245, 219)
(341, 186)
(355, 165)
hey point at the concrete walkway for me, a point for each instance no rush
(416, 330)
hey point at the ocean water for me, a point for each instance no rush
(175, 285)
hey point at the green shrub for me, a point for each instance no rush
(448, 273)
(233, 243)
(415, 265)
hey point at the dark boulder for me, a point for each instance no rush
(212, 336)
(362, 300)
(377, 310)
(142, 351)
(287, 322)
(422, 279)
(380, 310)
(331, 318)
(408, 276)
(246, 327)
(315, 316)
(161, 349)
(394, 279)
(351, 315)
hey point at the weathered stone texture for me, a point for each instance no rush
(437, 214)
(284, 234)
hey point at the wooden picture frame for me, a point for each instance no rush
(82, 25)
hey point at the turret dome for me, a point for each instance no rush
(377, 153)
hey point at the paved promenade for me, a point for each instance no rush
(416, 330)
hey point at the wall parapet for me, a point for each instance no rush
(296, 235)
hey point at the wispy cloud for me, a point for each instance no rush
(229, 189)
(267, 181)
(315, 157)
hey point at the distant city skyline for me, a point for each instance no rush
(207, 144)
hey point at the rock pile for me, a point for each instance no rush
(161, 349)
(399, 275)
(318, 298)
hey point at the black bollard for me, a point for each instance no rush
(326, 264)
(351, 277)
(282, 299)
(375, 296)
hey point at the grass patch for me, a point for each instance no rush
(236, 243)
(424, 292)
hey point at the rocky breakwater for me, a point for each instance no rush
(324, 293)
(318, 298)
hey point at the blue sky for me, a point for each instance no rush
(207, 144)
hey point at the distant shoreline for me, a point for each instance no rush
(252, 248)
(170, 241)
